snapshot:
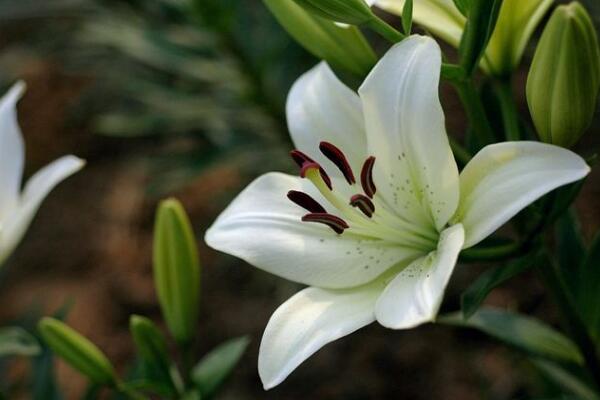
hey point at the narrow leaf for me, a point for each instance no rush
(481, 21)
(571, 249)
(588, 295)
(215, 367)
(475, 294)
(463, 6)
(525, 333)
(565, 379)
(342, 47)
(16, 341)
(407, 16)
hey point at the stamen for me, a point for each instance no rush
(311, 165)
(305, 201)
(363, 203)
(366, 177)
(300, 158)
(336, 156)
(337, 224)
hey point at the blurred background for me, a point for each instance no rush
(186, 98)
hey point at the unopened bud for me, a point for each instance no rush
(176, 270)
(77, 351)
(563, 83)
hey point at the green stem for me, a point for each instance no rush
(494, 253)
(385, 30)
(475, 111)
(508, 109)
(461, 154)
(573, 323)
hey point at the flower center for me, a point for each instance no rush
(364, 213)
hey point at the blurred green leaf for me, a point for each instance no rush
(565, 379)
(525, 333)
(212, 370)
(588, 294)
(16, 341)
(463, 6)
(570, 249)
(152, 349)
(343, 47)
(475, 294)
(482, 17)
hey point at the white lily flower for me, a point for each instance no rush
(18, 207)
(516, 23)
(382, 249)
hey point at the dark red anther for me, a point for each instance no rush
(300, 158)
(305, 201)
(336, 156)
(363, 203)
(311, 164)
(336, 223)
(366, 177)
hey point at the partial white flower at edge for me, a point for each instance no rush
(19, 206)
(376, 225)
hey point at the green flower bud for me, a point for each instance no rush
(341, 47)
(77, 351)
(176, 270)
(563, 83)
(353, 12)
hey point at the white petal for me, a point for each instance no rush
(321, 108)
(504, 178)
(406, 132)
(264, 228)
(308, 321)
(441, 17)
(11, 150)
(414, 296)
(36, 189)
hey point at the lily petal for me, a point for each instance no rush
(264, 228)
(405, 122)
(321, 108)
(414, 296)
(504, 178)
(440, 17)
(12, 150)
(36, 189)
(308, 321)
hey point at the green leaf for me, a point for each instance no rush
(481, 21)
(565, 379)
(16, 341)
(475, 294)
(463, 6)
(176, 270)
(525, 333)
(77, 351)
(342, 47)
(215, 367)
(152, 349)
(588, 295)
(407, 16)
(571, 249)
